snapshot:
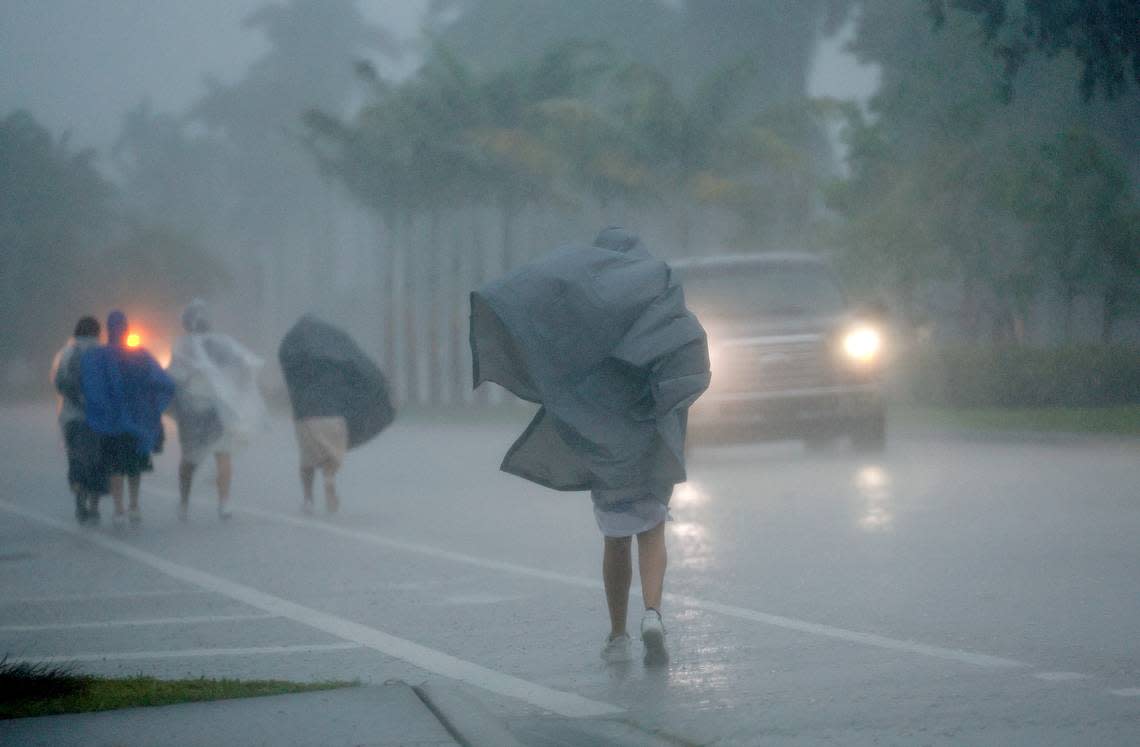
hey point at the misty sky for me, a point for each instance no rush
(80, 64)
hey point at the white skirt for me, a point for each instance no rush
(634, 518)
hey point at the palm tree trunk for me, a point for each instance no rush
(401, 360)
(387, 302)
(469, 256)
(420, 337)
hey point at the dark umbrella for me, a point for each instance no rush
(602, 340)
(327, 373)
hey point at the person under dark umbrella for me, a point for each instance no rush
(339, 398)
(86, 473)
(600, 337)
(125, 393)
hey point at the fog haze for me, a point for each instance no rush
(81, 65)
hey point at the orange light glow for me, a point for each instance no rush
(133, 340)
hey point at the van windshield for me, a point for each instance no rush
(755, 290)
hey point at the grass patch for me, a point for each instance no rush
(1122, 420)
(42, 690)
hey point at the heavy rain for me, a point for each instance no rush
(605, 372)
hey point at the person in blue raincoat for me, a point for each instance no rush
(125, 392)
(85, 471)
(601, 338)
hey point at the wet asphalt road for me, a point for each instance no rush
(949, 592)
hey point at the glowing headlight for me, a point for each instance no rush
(863, 344)
(714, 356)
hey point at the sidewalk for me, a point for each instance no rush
(381, 715)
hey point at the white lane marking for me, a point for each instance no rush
(789, 623)
(130, 623)
(188, 653)
(435, 552)
(437, 662)
(1061, 676)
(100, 597)
(1127, 692)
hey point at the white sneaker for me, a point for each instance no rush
(653, 636)
(617, 649)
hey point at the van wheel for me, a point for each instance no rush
(869, 436)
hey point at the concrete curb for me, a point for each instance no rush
(465, 718)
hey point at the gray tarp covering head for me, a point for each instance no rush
(327, 373)
(600, 338)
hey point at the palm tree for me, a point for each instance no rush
(682, 140)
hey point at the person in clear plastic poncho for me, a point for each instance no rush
(601, 338)
(217, 403)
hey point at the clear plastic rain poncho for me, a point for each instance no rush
(217, 403)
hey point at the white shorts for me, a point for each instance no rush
(641, 516)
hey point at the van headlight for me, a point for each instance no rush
(863, 344)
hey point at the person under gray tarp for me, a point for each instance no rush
(339, 397)
(601, 339)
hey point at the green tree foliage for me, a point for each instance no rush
(1103, 34)
(1003, 201)
(67, 249)
(55, 208)
(1082, 209)
(685, 41)
(449, 136)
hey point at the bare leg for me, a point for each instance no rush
(116, 485)
(651, 562)
(225, 476)
(617, 573)
(133, 483)
(332, 502)
(80, 504)
(307, 476)
(185, 480)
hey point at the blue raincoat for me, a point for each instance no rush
(125, 391)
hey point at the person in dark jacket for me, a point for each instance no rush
(339, 399)
(86, 473)
(125, 392)
(601, 338)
